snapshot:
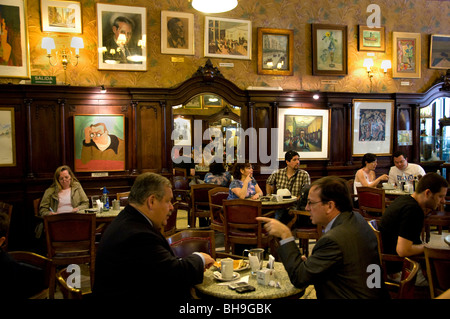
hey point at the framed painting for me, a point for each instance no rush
(406, 55)
(194, 103)
(99, 142)
(371, 39)
(212, 100)
(228, 38)
(329, 55)
(15, 57)
(440, 51)
(181, 134)
(177, 33)
(122, 37)
(372, 129)
(275, 51)
(61, 16)
(305, 131)
(7, 137)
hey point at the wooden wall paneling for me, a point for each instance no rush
(403, 121)
(338, 135)
(150, 136)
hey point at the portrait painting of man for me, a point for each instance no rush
(99, 143)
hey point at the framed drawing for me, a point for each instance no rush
(275, 51)
(329, 55)
(212, 100)
(305, 131)
(440, 51)
(122, 37)
(228, 38)
(194, 103)
(61, 16)
(406, 55)
(99, 142)
(15, 57)
(371, 39)
(7, 137)
(373, 123)
(181, 134)
(177, 33)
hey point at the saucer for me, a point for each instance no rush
(218, 276)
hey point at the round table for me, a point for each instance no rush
(210, 287)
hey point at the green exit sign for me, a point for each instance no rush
(43, 79)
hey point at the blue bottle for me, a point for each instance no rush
(105, 199)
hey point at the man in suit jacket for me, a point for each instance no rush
(134, 260)
(338, 265)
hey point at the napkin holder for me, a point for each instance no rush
(264, 276)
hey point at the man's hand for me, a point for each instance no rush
(275, 227)
(209, 261)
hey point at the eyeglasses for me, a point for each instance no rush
(308, 202)
(97, 134)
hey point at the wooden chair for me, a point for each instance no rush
(189, 241)
(178, 171)
(39, 265)
(241, 226)
(68, 291)
(304, 232)
(182, 193)
(7, 209)
(171, 227)
(70, 240)
(200, 202)
(406, 288)
(438, 270)
(372, 202)
(216, 197)
(123, 198)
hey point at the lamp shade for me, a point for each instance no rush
(368, 63)
(214, 6)
(48, 44)
(386, 64)
(77, 43)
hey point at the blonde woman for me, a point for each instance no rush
(65, 195)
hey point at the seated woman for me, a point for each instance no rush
(65, 195)
(244, 185)
(365, 176)
(217, 175)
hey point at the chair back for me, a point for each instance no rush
(438, 270)
(373, 223)
(408, 279)
(123, 198)
(67, 291)
(171, 227)
(241, 226)
(372, 202)
(187, 242)
(216, 197)
(41, 266)
(7, 209)
(200, 201)
(178, 171)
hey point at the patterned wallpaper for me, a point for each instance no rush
(422, 16)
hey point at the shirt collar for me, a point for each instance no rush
(328, 227)
(148, 219)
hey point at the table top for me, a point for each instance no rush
(106, 214)
(440, 241)
(396, 192)
(211, 288)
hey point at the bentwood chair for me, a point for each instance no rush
(304, 231)
(171, 227)
(68, 291)
(216, 197)
(38, 268)
(70, 240)
(182, 193)
(123, 198)
(438, 270)
(7, 209)
(189, 241)
(241, 226)
(200, 202)
(372, 202)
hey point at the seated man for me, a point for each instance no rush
(402, 223)
(134, 260)
(403, 169)
(338, 265)
(291, 178)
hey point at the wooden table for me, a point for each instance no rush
(210, 287)
(271, 206)
(435, 218)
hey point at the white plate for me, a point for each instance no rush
(246, 266)
(218, 276)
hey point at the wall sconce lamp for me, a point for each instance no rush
(102, 89)
(214, 6)
(65, 54)
(386, 64)
(368, 63)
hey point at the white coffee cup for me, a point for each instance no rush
(226, 266)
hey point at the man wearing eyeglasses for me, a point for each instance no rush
(338, 264)
(99, 145)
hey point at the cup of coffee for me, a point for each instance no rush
(226, 268)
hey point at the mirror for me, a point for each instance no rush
(214, 112)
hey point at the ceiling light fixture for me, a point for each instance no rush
(214, 6)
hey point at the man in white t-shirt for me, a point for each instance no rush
(403, 169)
